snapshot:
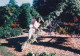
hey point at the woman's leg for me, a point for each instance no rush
(31, 31)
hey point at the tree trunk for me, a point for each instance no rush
(36, 35)
(32, 40)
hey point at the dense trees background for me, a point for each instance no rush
(44, 7)
(66, 19)
(25, 16)
(12, 2)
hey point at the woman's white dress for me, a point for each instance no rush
(32, 30)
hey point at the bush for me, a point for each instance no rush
(42, 54)
(52, 54)
(25, 18)
(9, 32)
(34, 13)
(1, 31)
(31, 54)
(62, 30)
(9, 14)
(16, 31)
(15, 25)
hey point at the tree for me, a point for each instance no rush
(8, 16)
(25, 16)
(71, 15)
(12, 2)
(34, 13)
(44, 7)
(2, 9)
(9, 13)
(72, 11)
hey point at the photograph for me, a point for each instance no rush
(39, 27)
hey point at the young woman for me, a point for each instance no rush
(34, 27)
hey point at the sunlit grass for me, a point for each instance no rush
(5, 52)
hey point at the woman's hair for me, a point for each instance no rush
(37, 19)
(40, 19)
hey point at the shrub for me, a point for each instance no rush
(0, 39)
(52, 54)
(7, 32)
(43, 54)
(15, 25)
(9, 14)
(31, 54)
(25, 17)
(16, 31)
(1, 31)
(62, 30)
(34, 13)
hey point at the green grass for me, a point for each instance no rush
(5, 52)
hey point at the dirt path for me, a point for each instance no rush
(59, 44)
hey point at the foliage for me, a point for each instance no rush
(12, 2)
(41, 54)
(75, 4)
(5, 52)
(53, 16)
(65, 12)
(62, 30)
(44, 7)
(1, 15)
(71, 17)
(52, 54)
(1, 31)
(34, 13)
(15, 25)
(71, 13)
(7, 32)
(31, 54)
(9, 14)
(25, 16)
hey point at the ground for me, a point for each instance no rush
(62, 45)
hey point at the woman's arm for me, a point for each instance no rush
(34, 25)
(42, 20)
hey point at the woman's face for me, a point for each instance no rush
(39, 20)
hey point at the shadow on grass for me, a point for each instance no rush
(15, 43)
